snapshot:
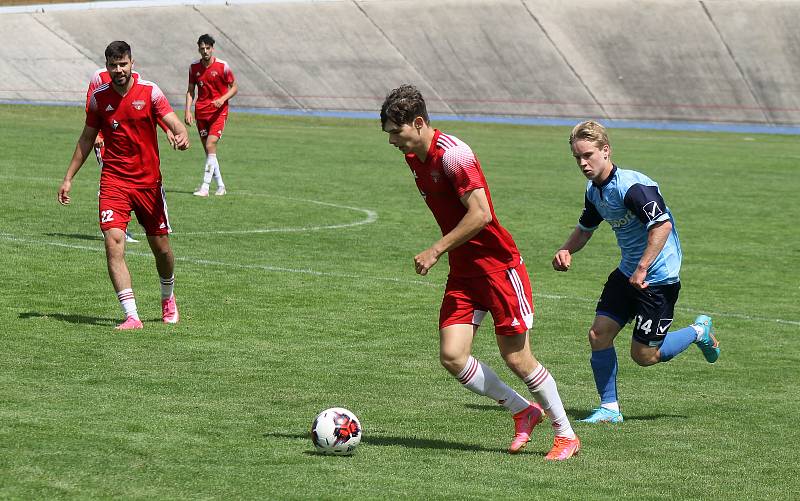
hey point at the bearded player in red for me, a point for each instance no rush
(215, 87)
(126, 110)
(100, 77)
(486, 273)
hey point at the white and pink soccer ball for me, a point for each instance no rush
(336, 431)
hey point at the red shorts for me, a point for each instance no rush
(213, 125)
(506, 294)
(149, 205)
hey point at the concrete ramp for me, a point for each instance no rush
(327, 55)
(681, 60)
(39, 65)
(483, 57)
(650, 58)
(764, 39)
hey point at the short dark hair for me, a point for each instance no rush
(117, 50)
(206, 39)
(402, 105)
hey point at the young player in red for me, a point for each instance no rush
(125, 110)
(216, 85)
(100, 77)
(486, 272)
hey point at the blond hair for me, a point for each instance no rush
(589, 131)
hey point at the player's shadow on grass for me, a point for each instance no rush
(76, 236)
(72, 319)
(409, 442)
(573, 414)
(181, 192)
(577, 414)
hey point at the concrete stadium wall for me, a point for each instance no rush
(732, 61)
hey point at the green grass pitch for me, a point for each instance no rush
(297, 293)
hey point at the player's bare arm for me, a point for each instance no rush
(232, 90)
(82, 149)
(576, 241)
(188, 118)
(656, 239)
(181, 136)
(477, 217)
(170, 135)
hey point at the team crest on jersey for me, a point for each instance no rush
(214, 74)
(114, 124)
(436, 176)
(138, 105)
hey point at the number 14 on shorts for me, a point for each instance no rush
(646, 325)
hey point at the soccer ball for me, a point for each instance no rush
(336, 431)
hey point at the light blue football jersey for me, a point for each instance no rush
(631, 203)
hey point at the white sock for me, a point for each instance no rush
(543, 388)
(208, 173)
(481, 379)
(212, 159)
(167, 287)
(699, 330)
(612, 406)
(128, 303)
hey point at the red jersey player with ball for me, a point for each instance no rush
(126, 110)
(215, 87)
(486, 272)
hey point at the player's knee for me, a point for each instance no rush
(452, 362)
(114, 241)
(645, 358)
(599, 340)
(519, 361)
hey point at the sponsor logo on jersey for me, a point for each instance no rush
(663, 325)
(138, 105)
(618, 223)
(109, 108)
(515, 323)
(162, 226)
(652, 210)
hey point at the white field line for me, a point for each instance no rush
(370, 217)
(279, 269)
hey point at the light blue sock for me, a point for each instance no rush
(604, 367)
(677, 341)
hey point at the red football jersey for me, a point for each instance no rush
(128, 124)
(100, 77)
(211, 82)
(450, 170)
